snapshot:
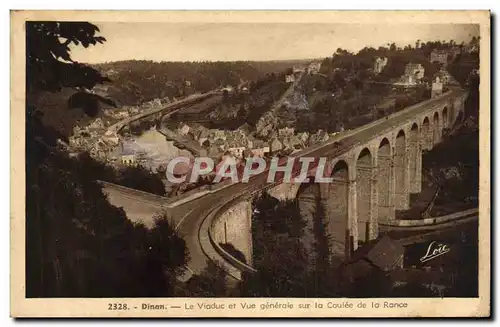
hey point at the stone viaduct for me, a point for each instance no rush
(374, 168)
(372, 178)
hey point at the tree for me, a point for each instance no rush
(77, 243)
(279, 255)
(49, 66)
(90, 103)
(210, 283)
(284, 268)
(323, 279)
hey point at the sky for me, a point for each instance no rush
(254, 41)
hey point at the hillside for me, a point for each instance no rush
(231, 110)
(348, 93)
(134, 81)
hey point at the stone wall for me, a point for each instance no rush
(234, 226)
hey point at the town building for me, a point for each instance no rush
(437, 87)
(98, 149)
(440, 56)
(74, 141)
(378, 256)
(314, 67)
(122, 114)
(259, 148)
(236, 151)
(379, 64)
(290, 78)
(319, 137)
(276, 145)
(204, 141)
(181, 169)
(304, 136)
(198, 131)
(260, 151)
(406, 81)
(415, 70)
(128, 159)
(246, 129)
(445, 77)
(111, 138)
(292, 142)
(286, 131)
(414, 73)
(226, 161)
(237, 142)
(213, 151)
(183, 129)
(96, 124)
(219, 144)
(267, 131)
(77, 130)
(133, 110)
(219, 134)
(156, 103)
(165, 100)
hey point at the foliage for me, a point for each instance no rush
(462, 66)
(141, 179)
(210, 283)
(90, 103)
(279, 255)
(49, 66)
(77, 243)
(284, 268)
(459, 151)
(323, 274)
(136, 177)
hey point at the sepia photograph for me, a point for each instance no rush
(250, 164)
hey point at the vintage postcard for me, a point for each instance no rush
(250, 164)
